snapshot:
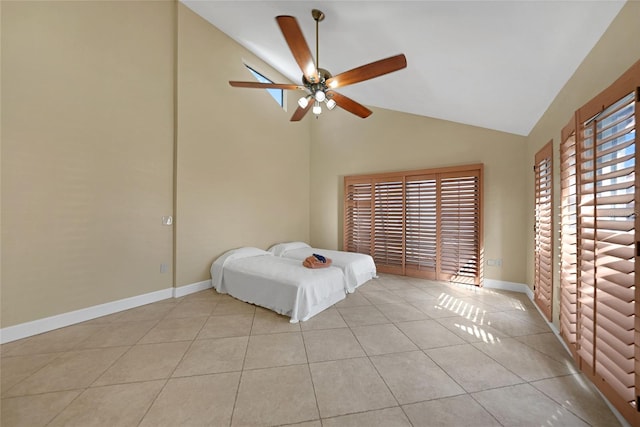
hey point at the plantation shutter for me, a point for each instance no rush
(421, 226)
(358, 214)
(388, 228)
(568, 236)
(459, 224)
(543, 252)
(424, 223)
(600, 242)
(606, 237)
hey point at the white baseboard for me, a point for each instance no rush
(47, 324)
(508, 286)
(192, 288)
(35, 327)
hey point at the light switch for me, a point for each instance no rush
(167, 220)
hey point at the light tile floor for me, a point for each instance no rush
(397, 352)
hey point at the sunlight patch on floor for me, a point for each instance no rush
(461, 308)
(485, 336)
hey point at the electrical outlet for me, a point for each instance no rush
(494, 262)
(164, 268)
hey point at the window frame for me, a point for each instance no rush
(272, 91)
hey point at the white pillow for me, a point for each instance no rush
(281, 248)
(245, 252)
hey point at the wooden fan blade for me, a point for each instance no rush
(368, 71)
(301, 112)
(298, 46)
(350, 105)
(259, 85)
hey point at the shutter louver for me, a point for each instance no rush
(606, 235)
(388, 229)
(459, 228)
(568, 237)
(543, 252)
(421, 227)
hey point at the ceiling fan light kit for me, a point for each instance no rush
(318, 82)
(304, 101)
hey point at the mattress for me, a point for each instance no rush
(279, 284)
(357, 268)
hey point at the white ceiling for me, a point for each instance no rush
(494, 64)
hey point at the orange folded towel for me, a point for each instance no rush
(312, 262)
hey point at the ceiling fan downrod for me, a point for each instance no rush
(318, 88)
(317, 16)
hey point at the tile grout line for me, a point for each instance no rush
(102, 373)
(418, 348)
(524, 381)
(554, 400)
(376, 368)
(244, 359)
(423, 351)
(313, 385)
(99, 375)
(153, 401)
(77, 348)
(467, 393)
(485, 409)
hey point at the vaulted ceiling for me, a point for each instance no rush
(493, 64)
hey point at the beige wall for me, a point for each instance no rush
(93, 98)
(343, 144)
(242, 167)
(615, 52)
(87, 152)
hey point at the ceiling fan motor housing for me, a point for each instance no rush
(323, 76)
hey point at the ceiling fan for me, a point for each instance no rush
(318, 83)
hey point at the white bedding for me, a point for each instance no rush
(279, 284)
(358, 268)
